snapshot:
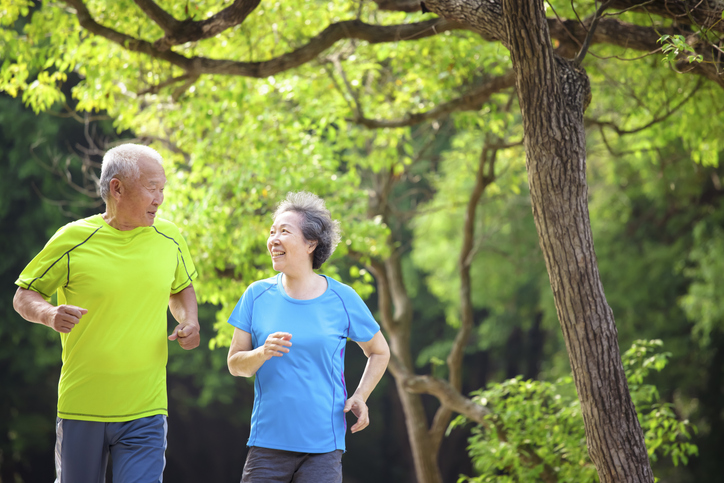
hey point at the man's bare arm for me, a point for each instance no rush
(34, 308)
(185, 310)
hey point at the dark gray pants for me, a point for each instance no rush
(264, 465)
(136, 447)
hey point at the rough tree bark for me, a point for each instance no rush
(553, 94)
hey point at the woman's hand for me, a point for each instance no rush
(378, 355)
(276, 345)
(244, 361)
(359, 408)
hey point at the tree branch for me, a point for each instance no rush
(482, 181)
(178, 33)
(704, 14)
(353, 94)
(608, 31)
(454, 401)
(485, 17)
(448, 396)
(398, 291)
(178, 92)
(126, 41)
(612, 31)
(457, 352)
(472, 101)
(161, 17)
(710, 67)
(349, 29)
(384, 297)
(440, 423)
(399, 5)
(489, 26)
(72, 113)
(657, 119)
(155, 89)
(591, 31)
(170, 145)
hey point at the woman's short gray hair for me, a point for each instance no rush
(317, 223)
(122, 161)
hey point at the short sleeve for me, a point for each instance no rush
(49, 269)
(241, 315)
(362, 325)
(185, 269)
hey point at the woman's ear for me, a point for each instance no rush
(311, 246)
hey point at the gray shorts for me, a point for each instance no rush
(137, 450)
(264, 465)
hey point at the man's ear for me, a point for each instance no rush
(116, 188)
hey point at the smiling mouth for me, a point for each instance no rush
(276, 254)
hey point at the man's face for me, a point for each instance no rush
(143, 196)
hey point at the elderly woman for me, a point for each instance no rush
(291, 331)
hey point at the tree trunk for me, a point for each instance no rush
(396, 318)
(553, 94)
(424, 449)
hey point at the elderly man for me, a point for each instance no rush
(114, 274)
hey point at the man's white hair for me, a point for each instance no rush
(122, 162)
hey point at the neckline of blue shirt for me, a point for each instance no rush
(284, 293)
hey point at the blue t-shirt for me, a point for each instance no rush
(299, 398)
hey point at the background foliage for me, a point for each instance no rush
(236, 145)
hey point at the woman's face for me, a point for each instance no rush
(288, 248)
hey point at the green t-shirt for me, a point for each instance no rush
(114, 359)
